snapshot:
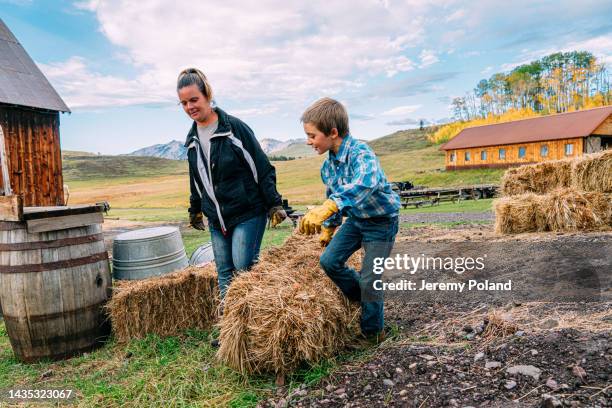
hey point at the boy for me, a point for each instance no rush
(357, 189)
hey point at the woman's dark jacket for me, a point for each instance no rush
(243, 183)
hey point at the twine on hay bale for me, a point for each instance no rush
(537, 178)
(165, 305)
(561, 210)
(593, 172)
(285, 312)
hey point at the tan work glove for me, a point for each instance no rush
(311, 223)
(197, 221)
(277, 215)
(327, 233)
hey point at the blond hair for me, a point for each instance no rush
(193, 76)
(327, 114)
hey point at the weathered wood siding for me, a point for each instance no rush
(605, 128)
(33, 147)
(556, 150)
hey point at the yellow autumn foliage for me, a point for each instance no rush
(447, 132)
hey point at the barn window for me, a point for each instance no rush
(467, 156)
(502, 154)
(483, 155)
(569, 149)
(544, 150)
(453, 156)
(522, 152)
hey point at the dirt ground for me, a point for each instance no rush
(484, 216)
(545, 344)
(495, 350)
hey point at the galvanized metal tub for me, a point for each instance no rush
(148, 252)
(203, 255)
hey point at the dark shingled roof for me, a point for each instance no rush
(552, 127)
(21, 82)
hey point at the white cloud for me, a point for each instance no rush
(457, 15)
(265, 110)
(82, 87)
(487, 70)
(428, 57)
(274, 51)
(511, 65)
(401, 110)
(600, 47)
(390, 66)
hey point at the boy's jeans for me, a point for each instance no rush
(238, 250)
(377, 237)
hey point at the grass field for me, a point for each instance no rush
(153, 372)
(145, 182)
(272, 237)
(462, 206)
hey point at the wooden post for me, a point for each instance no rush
(6, 179)
(11, 208)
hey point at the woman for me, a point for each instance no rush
(232, 181)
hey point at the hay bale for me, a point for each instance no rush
(284, 312)
(593, 172)
(165, 305)
(537, 178)
(561, 210)
(601, 204)
(571, 210)
(517, 214)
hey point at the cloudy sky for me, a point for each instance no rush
(115, 62)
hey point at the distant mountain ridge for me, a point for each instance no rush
(272, 145)
(175, 150)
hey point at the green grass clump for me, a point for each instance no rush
(152, 372)
(461, 206)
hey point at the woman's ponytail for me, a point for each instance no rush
(193, 76)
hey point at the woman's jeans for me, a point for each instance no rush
(238, 250)
(376, 236)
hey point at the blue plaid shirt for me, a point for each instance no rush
(356, 182)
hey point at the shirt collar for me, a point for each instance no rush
(223, 126)
(342, 154)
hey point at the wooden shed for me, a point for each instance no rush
(29, 128)
(531, 140)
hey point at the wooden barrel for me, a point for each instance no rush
(53, 288)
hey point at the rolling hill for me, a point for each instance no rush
(295, 149)
(146, 182)
(74, 153)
